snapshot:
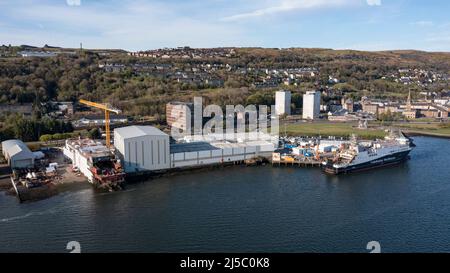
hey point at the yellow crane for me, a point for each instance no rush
(107, 108)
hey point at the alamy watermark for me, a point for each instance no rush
(374, 247)
(74, 247)
(238, 123)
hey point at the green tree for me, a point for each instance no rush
(45, 138)
(94, 133)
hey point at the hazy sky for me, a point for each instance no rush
(138, 25)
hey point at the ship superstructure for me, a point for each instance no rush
(95, 161)
(358, 156)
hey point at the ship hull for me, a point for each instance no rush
(385, 161)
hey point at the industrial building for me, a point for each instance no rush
(18, 154)
(283, 102)
(311, 105)
(146, 148)
(205, 153)
(142, 148)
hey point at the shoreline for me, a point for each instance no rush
(68, 178)
(426, 134)
(134, 178)
(64, 179)
(36, 194)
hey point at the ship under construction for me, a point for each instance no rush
(95, 161)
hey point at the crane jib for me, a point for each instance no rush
(107, 110)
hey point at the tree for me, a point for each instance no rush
(45, 138)
(94, 133)
(297, 100)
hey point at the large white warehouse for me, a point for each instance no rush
(146, 148)
(18, 154)
(142, 148)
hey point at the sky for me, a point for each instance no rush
(139, 25)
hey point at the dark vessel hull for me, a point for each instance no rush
(385, 161)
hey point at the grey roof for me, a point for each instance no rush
(102, 117)
(138, 131)
(191, 147)
(15, 147)
(8, 143)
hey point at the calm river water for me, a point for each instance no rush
(248, 209)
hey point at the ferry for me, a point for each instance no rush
(360, 156)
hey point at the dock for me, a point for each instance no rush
(297, 163)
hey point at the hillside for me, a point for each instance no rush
(75, 74)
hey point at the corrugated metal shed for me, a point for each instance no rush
(17, 153)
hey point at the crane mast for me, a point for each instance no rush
(108, 109)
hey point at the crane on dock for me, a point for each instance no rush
(108, 109)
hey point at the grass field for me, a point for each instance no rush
(331, 129)
(437, 129)
(375, 130)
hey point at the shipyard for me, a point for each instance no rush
(321, 126)
(131, 153)
(338, 156)
(142, 152)
(229, 133)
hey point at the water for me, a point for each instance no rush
(248, 209)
